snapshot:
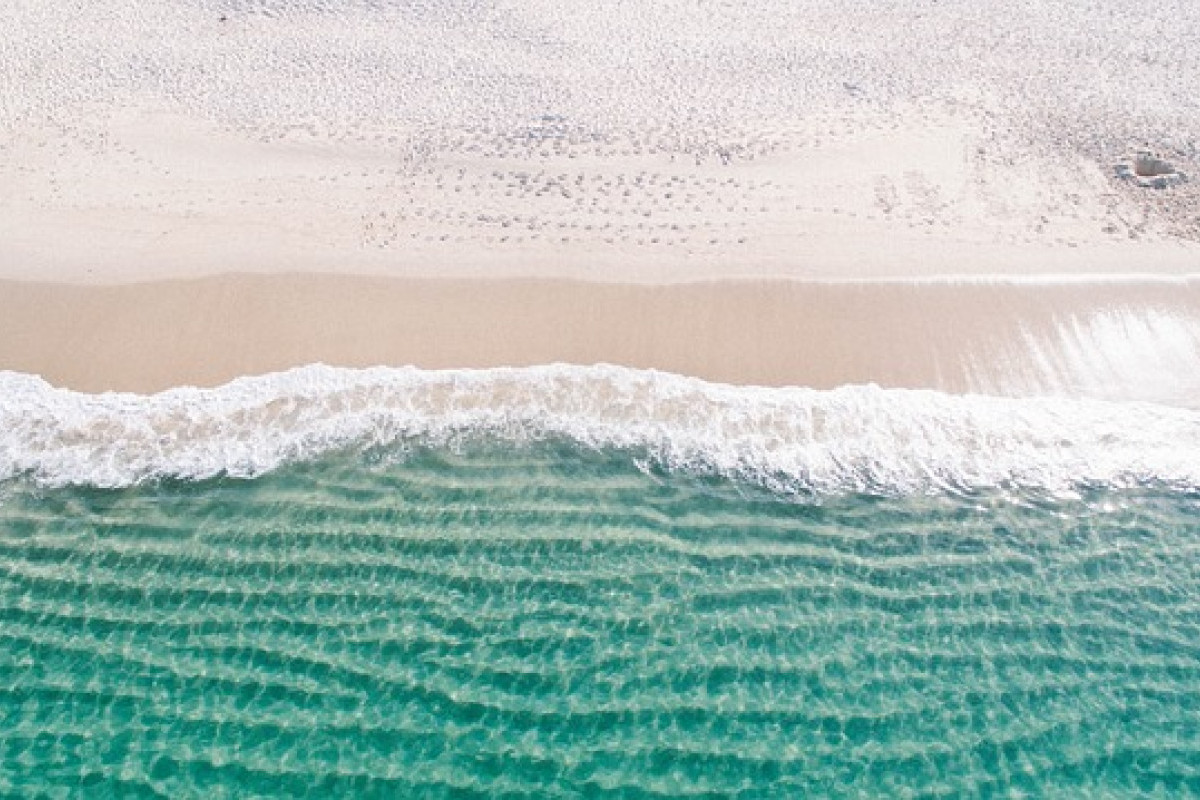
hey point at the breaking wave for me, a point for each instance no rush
(851, 439)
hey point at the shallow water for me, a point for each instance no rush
(500, 618)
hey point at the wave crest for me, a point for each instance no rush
(855, 438)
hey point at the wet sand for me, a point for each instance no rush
(1136, 339)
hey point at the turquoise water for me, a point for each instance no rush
(551, 619)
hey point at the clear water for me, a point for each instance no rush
(553, 619)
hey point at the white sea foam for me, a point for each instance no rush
(848, 439)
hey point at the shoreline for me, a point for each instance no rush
(1132, 339)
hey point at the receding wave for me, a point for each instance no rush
(856, 438)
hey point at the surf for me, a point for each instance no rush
(794, 440)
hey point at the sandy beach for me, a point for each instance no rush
(733, 193)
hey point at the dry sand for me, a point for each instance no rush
(663, 140)
(859, 194)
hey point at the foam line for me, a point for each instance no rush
(857, 438)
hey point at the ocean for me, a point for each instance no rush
(599, 582)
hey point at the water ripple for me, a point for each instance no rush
(446, 626)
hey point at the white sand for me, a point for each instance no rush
(649, 141)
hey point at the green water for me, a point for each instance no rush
(552, 622)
